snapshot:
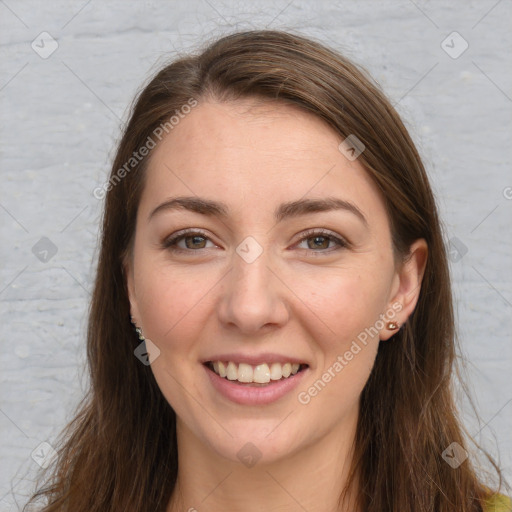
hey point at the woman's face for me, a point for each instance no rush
(263, 275)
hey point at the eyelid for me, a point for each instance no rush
(183, 233)
(309, 233)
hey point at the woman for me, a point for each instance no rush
(271, 326)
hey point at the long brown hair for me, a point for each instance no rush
(120, 451)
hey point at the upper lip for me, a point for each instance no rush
(255, 359)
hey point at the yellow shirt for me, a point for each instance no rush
(499, 503)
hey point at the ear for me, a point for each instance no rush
(128, 272)
(406, 287)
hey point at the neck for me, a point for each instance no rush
(312, 479)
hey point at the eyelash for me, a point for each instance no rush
(171, 242)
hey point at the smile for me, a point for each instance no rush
(254, 374)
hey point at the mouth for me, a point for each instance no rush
(259, 375)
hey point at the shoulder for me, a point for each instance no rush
(498, 503)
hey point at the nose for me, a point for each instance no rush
(253, 297)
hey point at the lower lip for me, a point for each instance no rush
(254, 395)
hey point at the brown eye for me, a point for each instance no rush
(321, 242)
(193, 240)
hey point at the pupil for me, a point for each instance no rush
(196, 240)
(318, 241)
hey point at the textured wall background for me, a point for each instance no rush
(64, 96)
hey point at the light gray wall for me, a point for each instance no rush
(61, 116)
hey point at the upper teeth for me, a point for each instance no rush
(260, 373)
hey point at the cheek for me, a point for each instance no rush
(346, 301)
(174, 308)
(346, 309)
(168, 301)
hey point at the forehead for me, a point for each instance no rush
(253, 155)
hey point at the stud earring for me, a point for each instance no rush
(138, 330)
(392, 326)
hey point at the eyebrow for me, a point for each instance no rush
(284, 211)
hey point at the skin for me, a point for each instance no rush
(293, 299)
